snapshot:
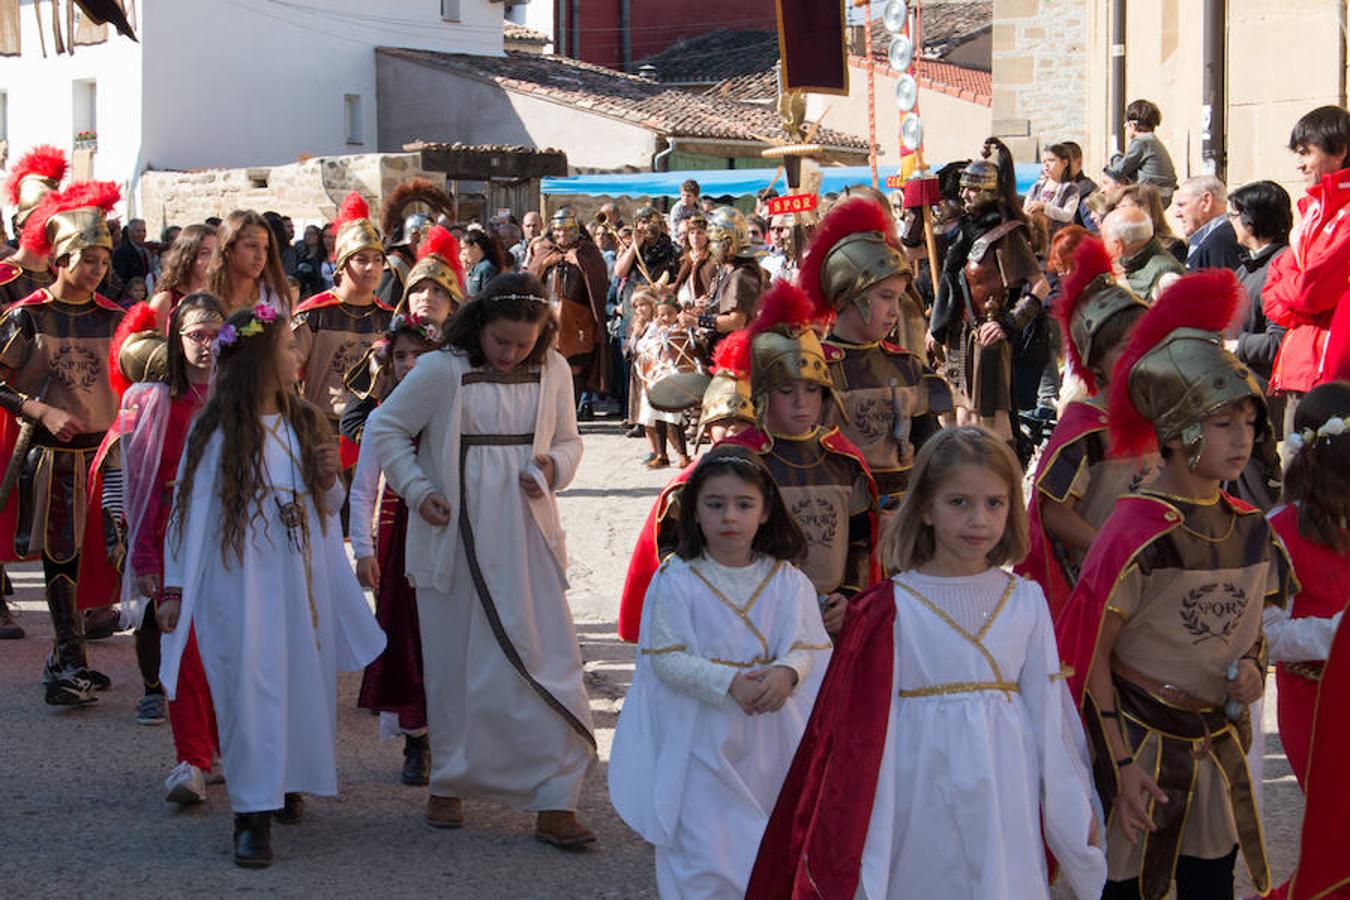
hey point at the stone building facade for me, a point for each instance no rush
(1039, 67)
(308, 191)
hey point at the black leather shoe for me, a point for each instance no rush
(292, 811)
(416, 760)
(253, 840)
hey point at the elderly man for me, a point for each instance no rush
(1128, 235)
(532, 226)
(1201, 206)
(132, 259)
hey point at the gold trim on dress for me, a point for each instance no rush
(657, 651)
(757, 661)
(802, 645)
(1065, 672)
(964, 687)
(743, 612)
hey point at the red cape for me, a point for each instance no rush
(1077, 420)
(1324, 865)
(814, 841)
(329, 298)
(98, 582)
(1137, 522)
(646, 560)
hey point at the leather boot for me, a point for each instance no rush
(416, 760)
(562, 828)
(253, 840)
(292, 810)
(67, 681)
(10, 630)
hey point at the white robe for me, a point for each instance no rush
(968, 776)
(493, 736)
(271, 645)
(690, 771)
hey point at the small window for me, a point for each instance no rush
(450, 10)
(351, 106)
(85, 106)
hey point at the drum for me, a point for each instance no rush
(670, 364)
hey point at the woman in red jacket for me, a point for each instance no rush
(1308, 290)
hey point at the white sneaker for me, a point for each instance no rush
(185, 784)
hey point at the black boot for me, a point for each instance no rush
(102, 623)
(416, 760)
(292, 810)
(10, 630)
(67, 678)
(253, 840)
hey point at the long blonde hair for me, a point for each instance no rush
(908, 542)
(218, 276)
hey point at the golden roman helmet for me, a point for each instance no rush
(145, 356)
(76, 230)
(438, 261)
(981, 176)
(32, 188)
(729, 234)
(726, 397)
(66, 223)
(355, 231)
(565, 220)
(782, 355)
(1102, 299)
(35, 175)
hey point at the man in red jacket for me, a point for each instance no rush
(1308, 290)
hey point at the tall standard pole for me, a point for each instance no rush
(1117, 44)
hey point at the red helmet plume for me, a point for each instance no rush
(139, 318)
(733, 354)
(785, 305)
(353, 207)
(1090, 260)
(102, 194)
(44, 161)
(442, 243)
(1207, 300)
(848, 217)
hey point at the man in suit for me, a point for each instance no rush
(1201, 205)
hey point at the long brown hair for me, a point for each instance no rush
(242, 373)
(1318, 477)
(908, 542)
(177, 275)
(230, 231)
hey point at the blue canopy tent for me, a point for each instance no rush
(722, 182)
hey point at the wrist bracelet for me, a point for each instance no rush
(1124, 761)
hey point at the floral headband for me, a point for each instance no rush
(263, 313)
(409, 324)
(1333, 427)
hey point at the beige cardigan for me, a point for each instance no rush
(428, 403)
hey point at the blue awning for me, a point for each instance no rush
(721, 182)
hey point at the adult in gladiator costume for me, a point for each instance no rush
(890, 398)
(991, 289)
(1167, 614)
(738, 281)
(54, 370)
(37, 173)
(573, 272)
(409, 211)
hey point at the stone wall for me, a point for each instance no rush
(308, 191)
(1039, 60)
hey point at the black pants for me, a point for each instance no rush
(1197, 879)
(147, 651)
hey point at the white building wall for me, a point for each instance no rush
(40, 92)
(251, 82)
(536, 14)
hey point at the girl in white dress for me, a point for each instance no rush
(476, 440)
(253, 562)
(975, 754)
(731, 653)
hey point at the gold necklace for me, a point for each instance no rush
(1232, 523)
(792, 465)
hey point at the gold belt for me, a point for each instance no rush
(963, 687)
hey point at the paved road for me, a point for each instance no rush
(82, 809)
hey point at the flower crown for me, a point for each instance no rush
(263, 313)
(1333, 427)
(400, 324)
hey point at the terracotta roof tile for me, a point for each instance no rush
(661, 107)
(947, 24)
(714, 56)
(957, 81)
(756, 87)
(521, 35)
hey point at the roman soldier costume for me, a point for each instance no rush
(987, 276)
(333, 335)
(1189, 578)
(409, 211)
(738, 280)
(56, 350)
(726, 400)
(890, 399)
(574, 273)
(1075, 466)
(37, 173)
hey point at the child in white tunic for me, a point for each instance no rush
(494, 421)
(253, 560)
(731, 653)
(982, 753)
